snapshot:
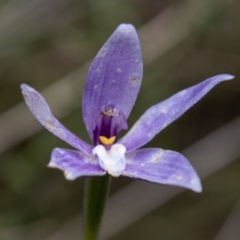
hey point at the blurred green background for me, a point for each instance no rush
(49, 45)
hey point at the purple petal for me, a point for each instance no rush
(114, 77)
(42, 112)
(75, 164)
(162, 166)
(161, 115)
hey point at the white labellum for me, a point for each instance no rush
(112, 160)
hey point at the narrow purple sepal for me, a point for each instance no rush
(114, 77)
(161, 115)
(75, 164)
(162, 166)
(43, 114)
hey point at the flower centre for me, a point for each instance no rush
(112, 160)
(108, 124)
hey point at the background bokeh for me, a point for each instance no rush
(49, 45)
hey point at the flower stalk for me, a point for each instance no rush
(95, 198)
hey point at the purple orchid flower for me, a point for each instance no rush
(111, 88)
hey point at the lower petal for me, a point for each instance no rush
(75, 164)
(162, 166)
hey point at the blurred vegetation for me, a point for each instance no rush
(46, 42)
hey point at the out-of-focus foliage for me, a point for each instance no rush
(46, 42)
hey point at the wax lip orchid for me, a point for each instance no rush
(110, 91)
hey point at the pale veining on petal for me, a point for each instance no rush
(162, 166)
(162, 114)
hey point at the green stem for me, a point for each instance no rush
(95, 197)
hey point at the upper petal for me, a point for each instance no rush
(162, 166)
(75, 164)
(42, 112)
(162, 114)
(114, 77)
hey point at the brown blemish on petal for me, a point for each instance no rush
(156, 159)
(25, 96)
(103, 53)
(134, 78)
(51, 124)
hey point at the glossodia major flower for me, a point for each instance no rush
(110, 91)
